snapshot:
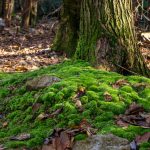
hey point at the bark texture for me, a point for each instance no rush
(33, 15)
(27, 5)
(67, 35)
(107, 36)
(8, 6)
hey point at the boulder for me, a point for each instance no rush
(2, 24)
(41, 82)
(102, 142)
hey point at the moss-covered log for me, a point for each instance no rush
(67, 35)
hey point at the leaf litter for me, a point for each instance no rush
(63, 139)
(134, 115)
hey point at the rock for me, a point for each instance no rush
(41, 82)
(102, 142)
(2, 24)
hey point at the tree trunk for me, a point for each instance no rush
(27, 5)
(67, 35)
(33, 15)
(1, 5)
(8, 6)
(107, 38)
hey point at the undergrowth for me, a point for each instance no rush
(16, 103)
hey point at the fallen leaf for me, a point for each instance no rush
(42, 116)
(134, 115)
(36, 107)
(134, 109)
(143, 138)
(122, 123)
(21, 137)
(21, 69)
(120, 83)
(57, 112)
(5, 124)
(107, 97)
(78, 104)
(58, 140)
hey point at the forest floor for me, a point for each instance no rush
(79, 102)
(21, 52)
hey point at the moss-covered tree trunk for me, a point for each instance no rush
(106, 36)
(67, 35)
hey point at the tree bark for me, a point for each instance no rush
(8, 6)
(33, 14)
(107, 38)
(27, 5)
(67, 35)
(1, 5)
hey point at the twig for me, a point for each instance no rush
(127, 70)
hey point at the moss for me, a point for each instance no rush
(84, 99)
(4, 92)
(92, 95)
(17, 105)
(80, 137)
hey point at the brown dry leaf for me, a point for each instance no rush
(21, 69)
(5, 124)
(134, 109)
(86, 127)
(121, 123)
(78, 104)
(42, 116)
(107, 97)
(36, 107)
(48, 147)
(21, 137)
(143, 138)
(135, 115)
(120, 83)
(59, 140)
(57, 112)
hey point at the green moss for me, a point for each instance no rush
(17, 105)
(80, 137)
(92, 95)
(84, 99)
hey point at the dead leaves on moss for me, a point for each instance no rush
(63, 139)
(107, 97)
(119, 83)
(134, 115)
(43, 116)
(76, 99)
(21, 137)
(143, 138)
(58, 140)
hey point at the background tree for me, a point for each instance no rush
(7, 9)
(106, 36)
(33, 14)
(27, 6)
(67, 35)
